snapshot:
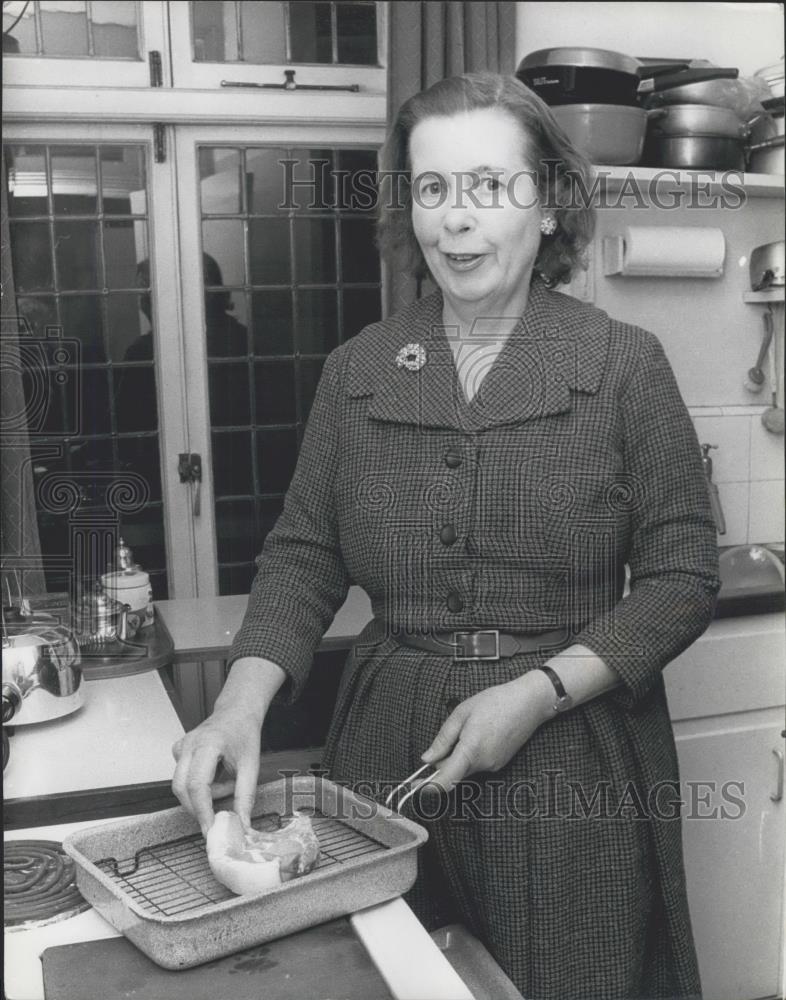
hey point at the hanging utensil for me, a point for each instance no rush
(754, 380)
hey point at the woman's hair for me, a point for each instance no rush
(548, 152)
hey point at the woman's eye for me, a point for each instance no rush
(491, 183)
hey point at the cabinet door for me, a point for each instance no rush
(735, 865)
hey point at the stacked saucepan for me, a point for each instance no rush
(621, 111)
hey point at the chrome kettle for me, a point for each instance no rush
(42, 676)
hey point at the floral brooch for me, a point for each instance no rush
(412, 357)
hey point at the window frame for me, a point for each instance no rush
(188, 140)
(181, 561)
(208, 75)
(51, 71)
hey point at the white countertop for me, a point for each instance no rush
(122, 735)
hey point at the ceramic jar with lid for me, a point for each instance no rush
(130, 585)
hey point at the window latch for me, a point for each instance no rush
(189, 467)
(290, 84)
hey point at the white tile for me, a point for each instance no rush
(731, 460)
(766, 452)
(766, 511)
(705, 411)
(734, 501)
(744, 411)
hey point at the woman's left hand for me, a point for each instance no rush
(486, 730)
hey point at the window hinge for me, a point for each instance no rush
(189, 467)
(159, 142)
(156, 72)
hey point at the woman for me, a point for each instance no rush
(484, 464)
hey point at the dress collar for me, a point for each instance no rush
(558, 345)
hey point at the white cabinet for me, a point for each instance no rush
(726, 696)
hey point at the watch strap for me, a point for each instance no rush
(564, 700)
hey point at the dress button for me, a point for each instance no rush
(455, 602)
(448, 534)
(453, 459)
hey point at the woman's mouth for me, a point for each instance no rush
(464, 261)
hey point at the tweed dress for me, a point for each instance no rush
(576, 457)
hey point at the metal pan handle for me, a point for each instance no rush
(685, 77)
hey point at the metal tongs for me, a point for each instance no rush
(415, 787)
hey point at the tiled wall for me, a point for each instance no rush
(748, 468)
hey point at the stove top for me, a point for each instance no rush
(38, 884)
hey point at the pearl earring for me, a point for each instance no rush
(548, 225)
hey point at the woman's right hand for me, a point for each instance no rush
(229, 737)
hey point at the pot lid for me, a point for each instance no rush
(589, 58)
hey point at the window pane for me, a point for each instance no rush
(309, 180)
(76, 253)
(235, 530)
(27, 180)
(82, 320)
(359, 255)
(309, 28)
(317, 320)
(309, 379)
(268, 251)
(114, 29)
(144, 533)
(219, 180)
(128, 326)
(140, 455)
(222, 242)
(125, 245)
(96, 412)
(315, 250)
(361, 307)
(263, 30)
(229, 396)
(227, 337)
(273, 327)
(236, 579)
(74, 183)
(31, 256)
(64, 28)
(135, 398)
(276, 454)
(232, 466)
(358, 191)
(356, 27)
(265, 180)
(39, 312)
(274, 384)
(22, 37)
(215, 32)
(123, 180)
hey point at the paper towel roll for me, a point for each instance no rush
(667, 252)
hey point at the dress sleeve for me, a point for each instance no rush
(301, 578)
(673, 557)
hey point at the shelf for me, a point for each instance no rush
(768, 295)
(668, 178)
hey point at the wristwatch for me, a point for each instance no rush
(564, 700)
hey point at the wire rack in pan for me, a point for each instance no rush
(173, 878)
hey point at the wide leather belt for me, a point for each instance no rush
(484, 644)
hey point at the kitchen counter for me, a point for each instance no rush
(122, 736)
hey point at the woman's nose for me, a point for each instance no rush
(458, 220)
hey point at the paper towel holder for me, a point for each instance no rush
(614, 264)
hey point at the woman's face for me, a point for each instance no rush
(475, 207)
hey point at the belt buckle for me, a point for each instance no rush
(480, 656)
